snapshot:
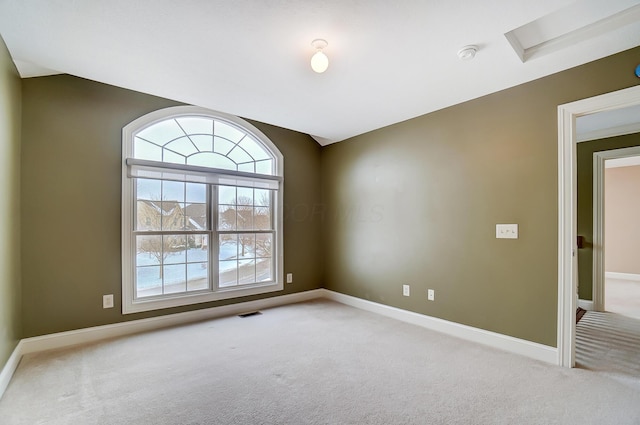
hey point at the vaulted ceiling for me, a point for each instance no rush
(389, 60)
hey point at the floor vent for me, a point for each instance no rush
(252, 313)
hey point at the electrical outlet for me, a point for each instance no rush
(107, 301)
(405, 290)
(289, 277)
(431, 295)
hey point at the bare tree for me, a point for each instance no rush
(155, 216)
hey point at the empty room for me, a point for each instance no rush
(281, 212)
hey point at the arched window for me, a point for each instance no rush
(201, 209)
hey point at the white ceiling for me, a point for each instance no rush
(389, 60)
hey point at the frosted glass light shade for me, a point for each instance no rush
(319, 62)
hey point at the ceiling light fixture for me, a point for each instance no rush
(319, 61)
(467, 52)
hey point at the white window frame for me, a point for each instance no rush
(132, 305)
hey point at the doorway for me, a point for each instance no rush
(567, 209)
(603, 161)
(616, 202)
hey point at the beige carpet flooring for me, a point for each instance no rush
(622, 297)
(312, 363)
(609, 343)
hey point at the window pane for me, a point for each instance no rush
(198, 250)
(222, 146)
(228, 248)
(244, 218)
(246, 245)
(254, 149)
(246, 271)
(173, 191)
(175, 247)
(175, 278)
(149, 250)
(203, 143)
(262, 218)
(148, 281)
(226, 217)
(172, 157)
(197, 276)
(247, 167)
(264, 167)
(162, 132)
(262, 198)
(149, 189)
(227, 195)
(172, 216)
(196, 217)
(245, 196)
(264, 270)
(263, 245)
(183, 146)
(196, 192)
(196, 125)
(148, 216)
(211, 160)
(228, 273)
(238, 155)
(145, 150)
(228, 132)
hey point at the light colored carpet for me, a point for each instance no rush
(609, 343)
(312, 363)
(622, 297)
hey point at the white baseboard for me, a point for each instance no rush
(622, 276)
(523, 347)
(586, 304)
(10, 367)
(97, 333)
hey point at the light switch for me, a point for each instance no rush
(506, 231)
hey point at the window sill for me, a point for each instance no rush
(136, 306)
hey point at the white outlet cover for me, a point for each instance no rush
(289, 277)
(406, 290)
(506, 231)
(107, 301)
(431, 295)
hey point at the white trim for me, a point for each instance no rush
(10, 367)
(586, 304)
(567, 218)
(507, 343)
(599, 166)
(622, 276)
(620, 130)
(593, 30)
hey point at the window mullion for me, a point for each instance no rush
(214, 249)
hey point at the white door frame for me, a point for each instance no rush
(599, 159)
(567, 207)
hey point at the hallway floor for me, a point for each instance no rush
(622, 297)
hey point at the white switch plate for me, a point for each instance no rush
(431, 295)
(506, 231)
(289, 277)
(107, 301)
(405, 290)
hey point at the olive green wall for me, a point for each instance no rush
(71, 196)
(417, 203)
(585, 203)
(10, 110)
